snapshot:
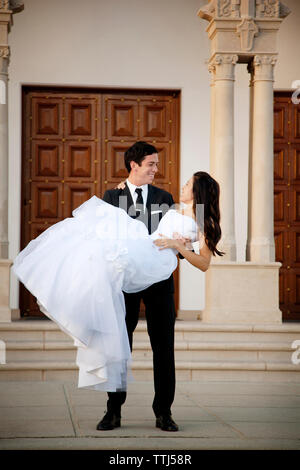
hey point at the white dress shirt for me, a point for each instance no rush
(134, 195)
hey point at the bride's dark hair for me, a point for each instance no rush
(206, 191)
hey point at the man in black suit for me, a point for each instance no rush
(141, 197)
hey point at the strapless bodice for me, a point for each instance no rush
(173, 221)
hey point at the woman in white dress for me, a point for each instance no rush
(78, 269)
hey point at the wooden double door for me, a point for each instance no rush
(287, 202)
(73, 148)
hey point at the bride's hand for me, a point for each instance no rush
(165, 242)
(121, 185)
(185, 240)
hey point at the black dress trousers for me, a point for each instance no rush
(160, 317)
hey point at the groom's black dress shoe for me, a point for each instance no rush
(109, 421)
(166, 423)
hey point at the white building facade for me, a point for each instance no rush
(163, 45)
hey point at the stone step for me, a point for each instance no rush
(39, 350)
(142, 370)
(46, 330)
(221, 350)
(184, 351)
(196, 330)
(44, 351)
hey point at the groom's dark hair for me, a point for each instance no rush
(137, 153)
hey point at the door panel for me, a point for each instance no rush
(287, 202)
(73, 147)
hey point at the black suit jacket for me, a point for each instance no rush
(157, 199)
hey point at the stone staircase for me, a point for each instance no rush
(39, 350)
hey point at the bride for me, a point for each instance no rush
(78, 268)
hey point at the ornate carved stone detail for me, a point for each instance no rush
(235, 8)
(4, 5)
(224, 8)
(211, 67)
(11, 5)
(271, 9)
(264, 60)
(16, 5)
(7, 8)
(267, 8)
(4, 52)
(230, 9)
(208, 11)
(220, 9)
(220, 59)
(221, 66)
(263, 67)
(246, 30)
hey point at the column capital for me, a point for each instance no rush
(4, 52)
(263, 67)
(4, 61)
(5, 6)
(222, 66)
(13, 6)
(5, 23)
(220, 59)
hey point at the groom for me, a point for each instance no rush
(141, 161)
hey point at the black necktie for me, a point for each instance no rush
(139, 201)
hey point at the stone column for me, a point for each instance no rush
(211, 69)
(222, 145)
(3, 153)
(251, 97)
(260, 244)
(5, 21)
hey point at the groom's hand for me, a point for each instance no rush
(121, 185)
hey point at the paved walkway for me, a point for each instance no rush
(211, 415)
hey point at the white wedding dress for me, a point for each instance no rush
(77, 270)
